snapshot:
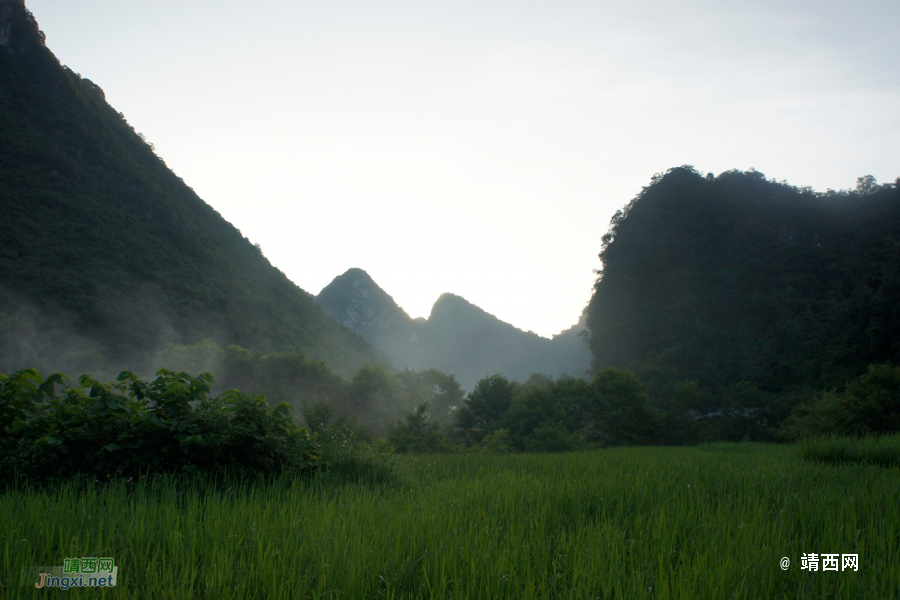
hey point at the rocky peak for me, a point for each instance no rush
(355, 301)
(17, 25)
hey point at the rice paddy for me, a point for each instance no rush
(711, 521)
(874, 450)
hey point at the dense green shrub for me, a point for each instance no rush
(619, 412)
(376, 396)
(418, 433)
(132, 428)
(544, 415)
(536, 412)
(868, 404)
(553, 437)
(497, 442)
(484, 408)
(349, 452)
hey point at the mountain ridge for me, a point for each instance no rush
(106, 247)
(458, 337)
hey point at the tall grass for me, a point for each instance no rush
(874, 450)
(705, 522)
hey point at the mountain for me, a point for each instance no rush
(355, 301)
(106, 254)
(736, 278)
(457, 338)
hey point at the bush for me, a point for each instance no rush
(620, 411)
(132, 428)
(483, 409)
(348, 452)
(553, 437)
(537, 414)
(497, 442)
(868, 404)
(418, 434)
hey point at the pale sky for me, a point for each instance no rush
(480, 148)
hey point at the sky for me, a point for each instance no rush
(481, 148)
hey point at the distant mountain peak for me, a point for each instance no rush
(354, 300)
(356, 273)
(450, 307)
(448, 300)
(458, 337)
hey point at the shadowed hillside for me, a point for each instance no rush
(106, 254)
(737, 278)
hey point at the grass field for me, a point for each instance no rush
(704, 522)
(875, 450)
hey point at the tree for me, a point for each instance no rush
(484, 408)
(538, 408)
(619, 410)
(418, 434)
(372, 390)
(440, 390)
(866, 185)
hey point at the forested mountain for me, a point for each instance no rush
(737, 279)
(106, 255)
(458, 337)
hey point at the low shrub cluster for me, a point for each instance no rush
(542, 415)
(568, 414)
(349, 452)
(868, 404)
(132, 428)
(418, 434)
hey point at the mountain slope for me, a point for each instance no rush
(103, 242)
(457, 338)
(477, 343)
(736, 278)
(355, 301)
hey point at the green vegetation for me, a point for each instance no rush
(736, 298)
(728, 308)
(712, 521)
(107, 255)
(868, 404)
(617, 409)
(175, 424)
(349, 452)
(872, 450)
(375, 395)
(134, 429)
(418, 434)
(567, 414)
